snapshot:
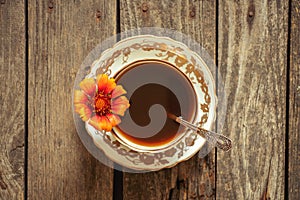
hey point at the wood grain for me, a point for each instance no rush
(61, 34)
(252, 49)
(12, 98)
(294, 107)
(253, 62)
(193, 179)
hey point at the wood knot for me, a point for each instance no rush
(98, 15)
(250, 16)
(193, 12)
(251, 13)
(50, 5)
(145, 7)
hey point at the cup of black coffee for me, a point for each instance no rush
(154, 88)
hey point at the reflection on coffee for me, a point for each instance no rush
(148, 83)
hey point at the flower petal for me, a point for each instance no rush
(83, 110)
(121, 100)
(110, 85)
(120, 105)
(119, 109)
(88, 85)
(80, 97)
(114, 119)
(118, 91)
(78, 106)
(102, 81)
(101, 123)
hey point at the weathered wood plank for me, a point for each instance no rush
(194, 179)
(12, 98)
(252, 60)
(294, 108)
(61, 34)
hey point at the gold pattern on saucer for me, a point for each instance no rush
(148, 158)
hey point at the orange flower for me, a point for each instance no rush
(100, 102)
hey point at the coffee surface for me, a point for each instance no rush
(148, 84)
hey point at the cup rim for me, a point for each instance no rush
(178, 137)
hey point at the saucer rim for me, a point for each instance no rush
(144, 167)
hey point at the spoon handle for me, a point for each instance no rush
(221, 141)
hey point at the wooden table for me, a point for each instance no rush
(255, 45)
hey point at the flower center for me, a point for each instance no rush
(102, 104)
